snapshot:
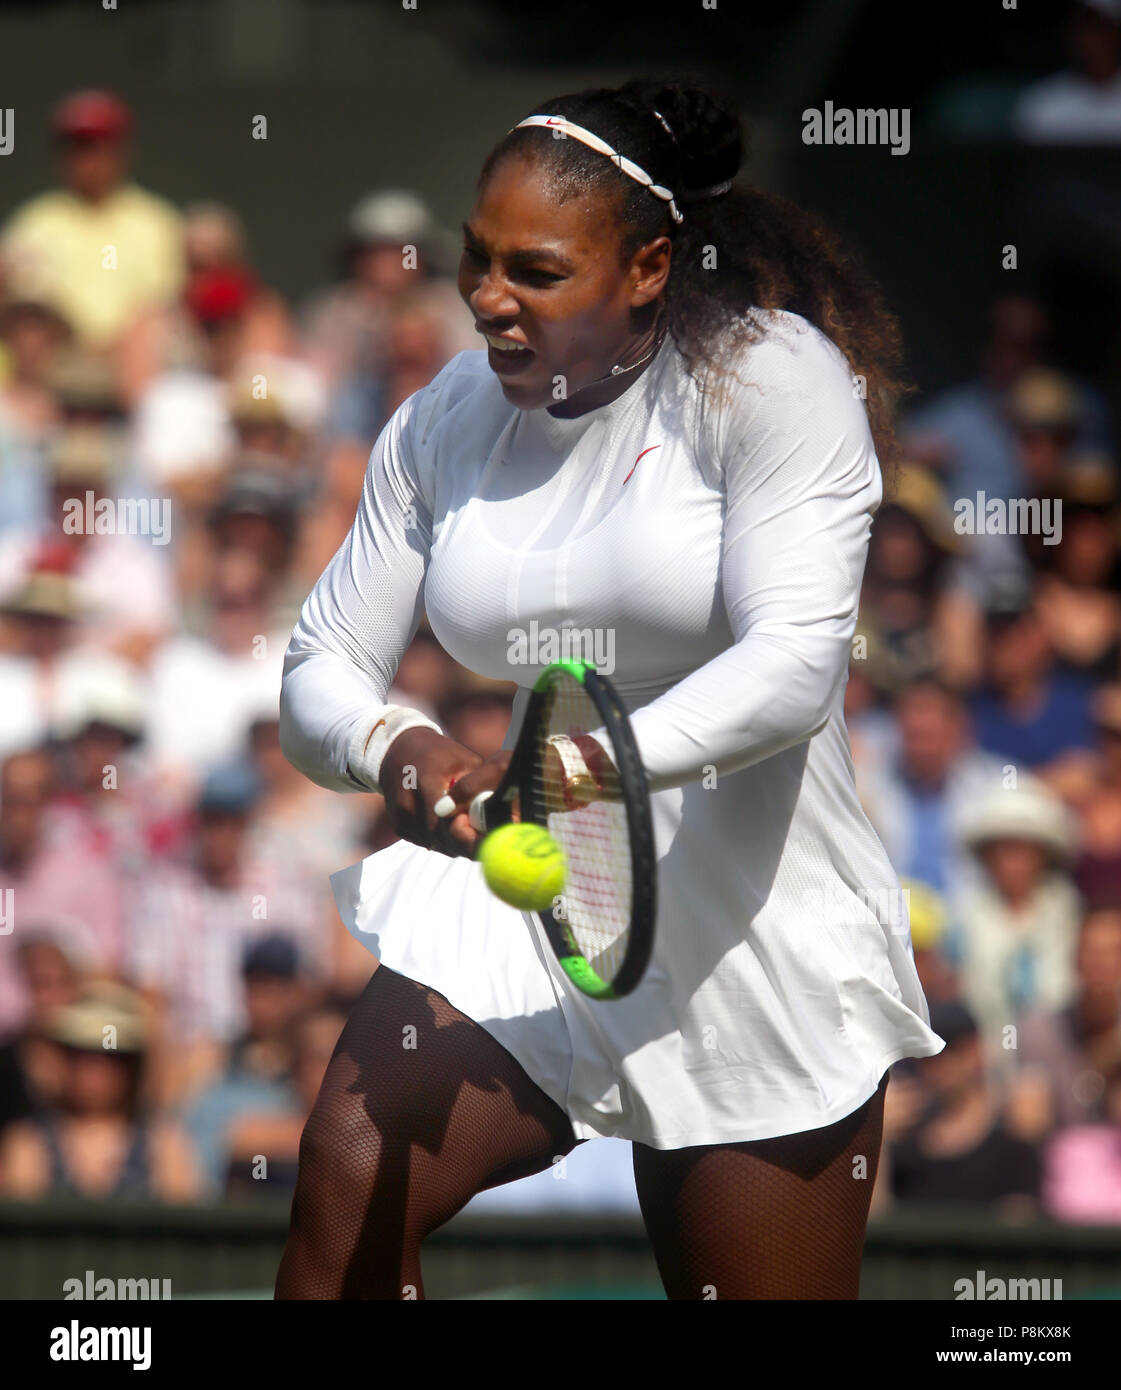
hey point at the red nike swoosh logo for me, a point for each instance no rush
(638, 460)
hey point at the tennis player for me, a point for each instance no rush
(671, 438)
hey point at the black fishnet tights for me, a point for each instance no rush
(778, 1218)
(421, 1108)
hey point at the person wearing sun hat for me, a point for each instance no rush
(95, 1139)
(108, 1017)
(347, 324)
(1018, 919)
(43, 665)
(43, 595)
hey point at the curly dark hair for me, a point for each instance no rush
(738, 248)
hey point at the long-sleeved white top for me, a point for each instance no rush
(707, 551)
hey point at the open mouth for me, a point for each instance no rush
(505, 356)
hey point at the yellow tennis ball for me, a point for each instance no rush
(523, 865)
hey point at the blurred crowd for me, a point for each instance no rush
(182, 450)
(984, 710)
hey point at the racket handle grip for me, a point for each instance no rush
(476, 812)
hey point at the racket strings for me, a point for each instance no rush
(596, 905)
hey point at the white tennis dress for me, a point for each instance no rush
(715, 556)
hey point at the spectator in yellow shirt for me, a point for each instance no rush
(100, 249)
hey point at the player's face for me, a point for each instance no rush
(547, 286)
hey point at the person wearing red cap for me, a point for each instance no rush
(58, 243)
(92, 116)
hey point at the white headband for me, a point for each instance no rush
(628, 166)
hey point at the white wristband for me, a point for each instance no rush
(572, 760)
(371, 741)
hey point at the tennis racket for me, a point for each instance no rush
(590, 794)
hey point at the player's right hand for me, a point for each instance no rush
(417, 769)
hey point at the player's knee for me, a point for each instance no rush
(340, 1147)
